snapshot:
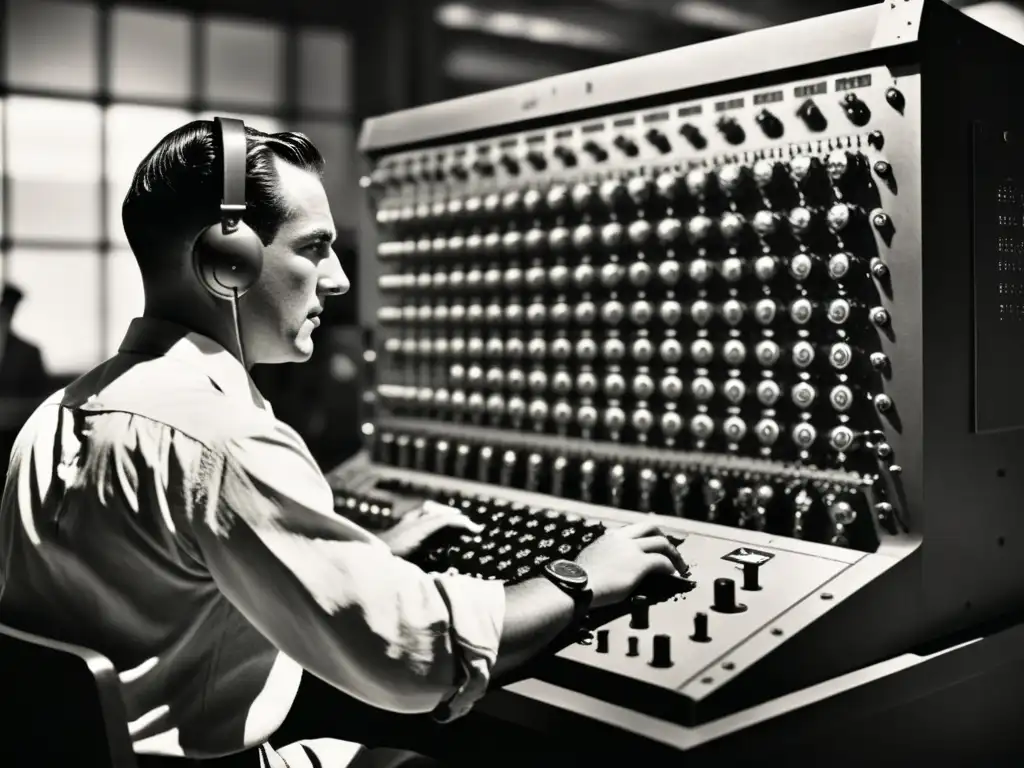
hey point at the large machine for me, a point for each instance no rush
(767, 289)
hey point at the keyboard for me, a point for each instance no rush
(516, 542)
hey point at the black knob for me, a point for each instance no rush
(639, 614)
(662, 652)
(483, 167)
(602, 641)
(770, 125)
(632, 646)
(856, 109)
(459, 172)
(595, 150)
(812, 116)
(536, 160)
(693, 135)
(700, 628)
(725, 597)
(658, 140)
(510, 164)
(566, 155)
(896, 99)
(731, 130)
(627, 146)
(751, 583)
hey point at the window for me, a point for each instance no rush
(54, 166)
(75, 121)
(151, 55)
(243, 64)
(325, 63)
(61, 309)
(132, 132)
(53, 45)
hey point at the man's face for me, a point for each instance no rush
(299, 270)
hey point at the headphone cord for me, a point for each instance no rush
(238, 327)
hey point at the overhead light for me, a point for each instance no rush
(720, 16)
(457, 16)
(537, 28)
(493, 68)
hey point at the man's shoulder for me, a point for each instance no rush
(167, 395)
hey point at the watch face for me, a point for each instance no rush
(568, 571)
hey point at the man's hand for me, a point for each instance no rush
(621, 559)
(416, 526)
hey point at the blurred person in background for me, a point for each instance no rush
(24, 383)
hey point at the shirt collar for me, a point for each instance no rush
(161, 338)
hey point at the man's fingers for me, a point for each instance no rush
(662, 546)
(659, 563)
(433, 508)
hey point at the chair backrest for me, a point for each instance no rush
(62, 705)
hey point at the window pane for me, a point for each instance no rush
(125, 298)
(54, 166)
(52, 45)
(325, 71)
(336, 143)
(132, 132)
(151, 54)
(61, 309)
(259, 122)
(3, 165)
(243, 63)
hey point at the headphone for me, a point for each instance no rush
(228, 256)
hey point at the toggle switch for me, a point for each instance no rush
(632, 647)
(700, 628)
(602, 641)
(661, 658)
(751, 580)
(725, 597)
(639, 614)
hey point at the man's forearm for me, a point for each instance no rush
(536, 611)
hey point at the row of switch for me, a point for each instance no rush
(638, 274)
(701, 352)
(732, 181)
(432, 168)
(801, 311)
(801, 222)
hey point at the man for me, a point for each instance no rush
(157, 512)
(23, 379)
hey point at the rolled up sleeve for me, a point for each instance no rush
(330, 594)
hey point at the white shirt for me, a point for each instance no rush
(157, 512)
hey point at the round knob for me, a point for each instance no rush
(639, 614)
(812, 116)
(768, 392)
(731, 130)
(693, 135)
(769, 124)
(661, 657)
(671, 424)
(725, 597)
(700, 628)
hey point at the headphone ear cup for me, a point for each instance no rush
(228, 265)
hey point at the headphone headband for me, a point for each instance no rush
(233, 150)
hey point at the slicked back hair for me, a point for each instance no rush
(177, 188)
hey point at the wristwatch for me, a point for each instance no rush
(571, 579)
